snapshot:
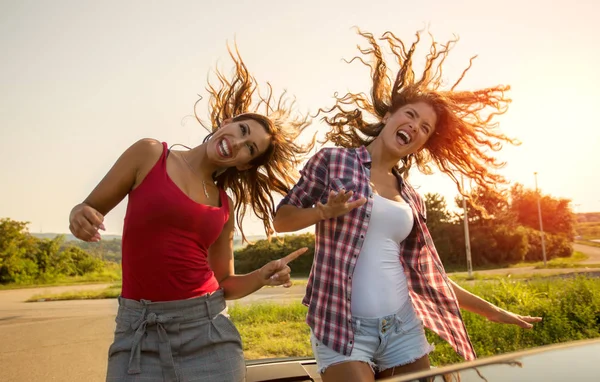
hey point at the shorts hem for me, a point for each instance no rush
(371, 364)
(428, 350)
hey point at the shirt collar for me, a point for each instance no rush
(364, 156)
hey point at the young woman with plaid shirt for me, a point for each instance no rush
(377, 279)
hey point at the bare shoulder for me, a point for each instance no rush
(146, 147)
(145, 153)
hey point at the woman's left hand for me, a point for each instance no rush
(277, 272)
(502, 316)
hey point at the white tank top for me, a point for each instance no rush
(379, 285)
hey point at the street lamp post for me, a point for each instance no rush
(466, 226)
(540, 217)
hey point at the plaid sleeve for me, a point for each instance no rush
(312, 184)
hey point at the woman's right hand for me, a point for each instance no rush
(85, 221)
(338, 205)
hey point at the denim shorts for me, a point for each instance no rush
(393, 340)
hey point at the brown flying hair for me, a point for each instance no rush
(465, 131)
(276, 169)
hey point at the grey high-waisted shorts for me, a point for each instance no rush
(184, 340)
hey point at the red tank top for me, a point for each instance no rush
(166, 236)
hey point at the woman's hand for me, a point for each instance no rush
(84, 223)
(502, 316)
(477, 305)
(277, 272)
(338, 205)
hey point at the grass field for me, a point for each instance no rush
(570, 308)
(588, 230)
(107, 275)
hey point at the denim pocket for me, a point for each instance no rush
(316, 345)
(358, 328)
(408, 324)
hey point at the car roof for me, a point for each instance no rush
(560, 362)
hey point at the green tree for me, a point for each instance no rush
(506, 232)
(485, 207)
(108, 250)
(26, 259)
(557, 216)
(47, 253)
(446, 234)
(74, 261)
(17, 252)
(437, 211)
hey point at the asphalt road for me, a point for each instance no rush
(68, 340)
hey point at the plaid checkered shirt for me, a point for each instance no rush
(338, 244)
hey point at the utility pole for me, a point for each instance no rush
(466, 226)
(540, 217)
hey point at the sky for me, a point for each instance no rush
(80, 81)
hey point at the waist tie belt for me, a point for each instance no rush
(194, 309)
(164, 345)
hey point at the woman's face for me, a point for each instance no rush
(407, 130)
(236, 144)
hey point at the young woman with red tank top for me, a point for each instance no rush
(178, 237)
